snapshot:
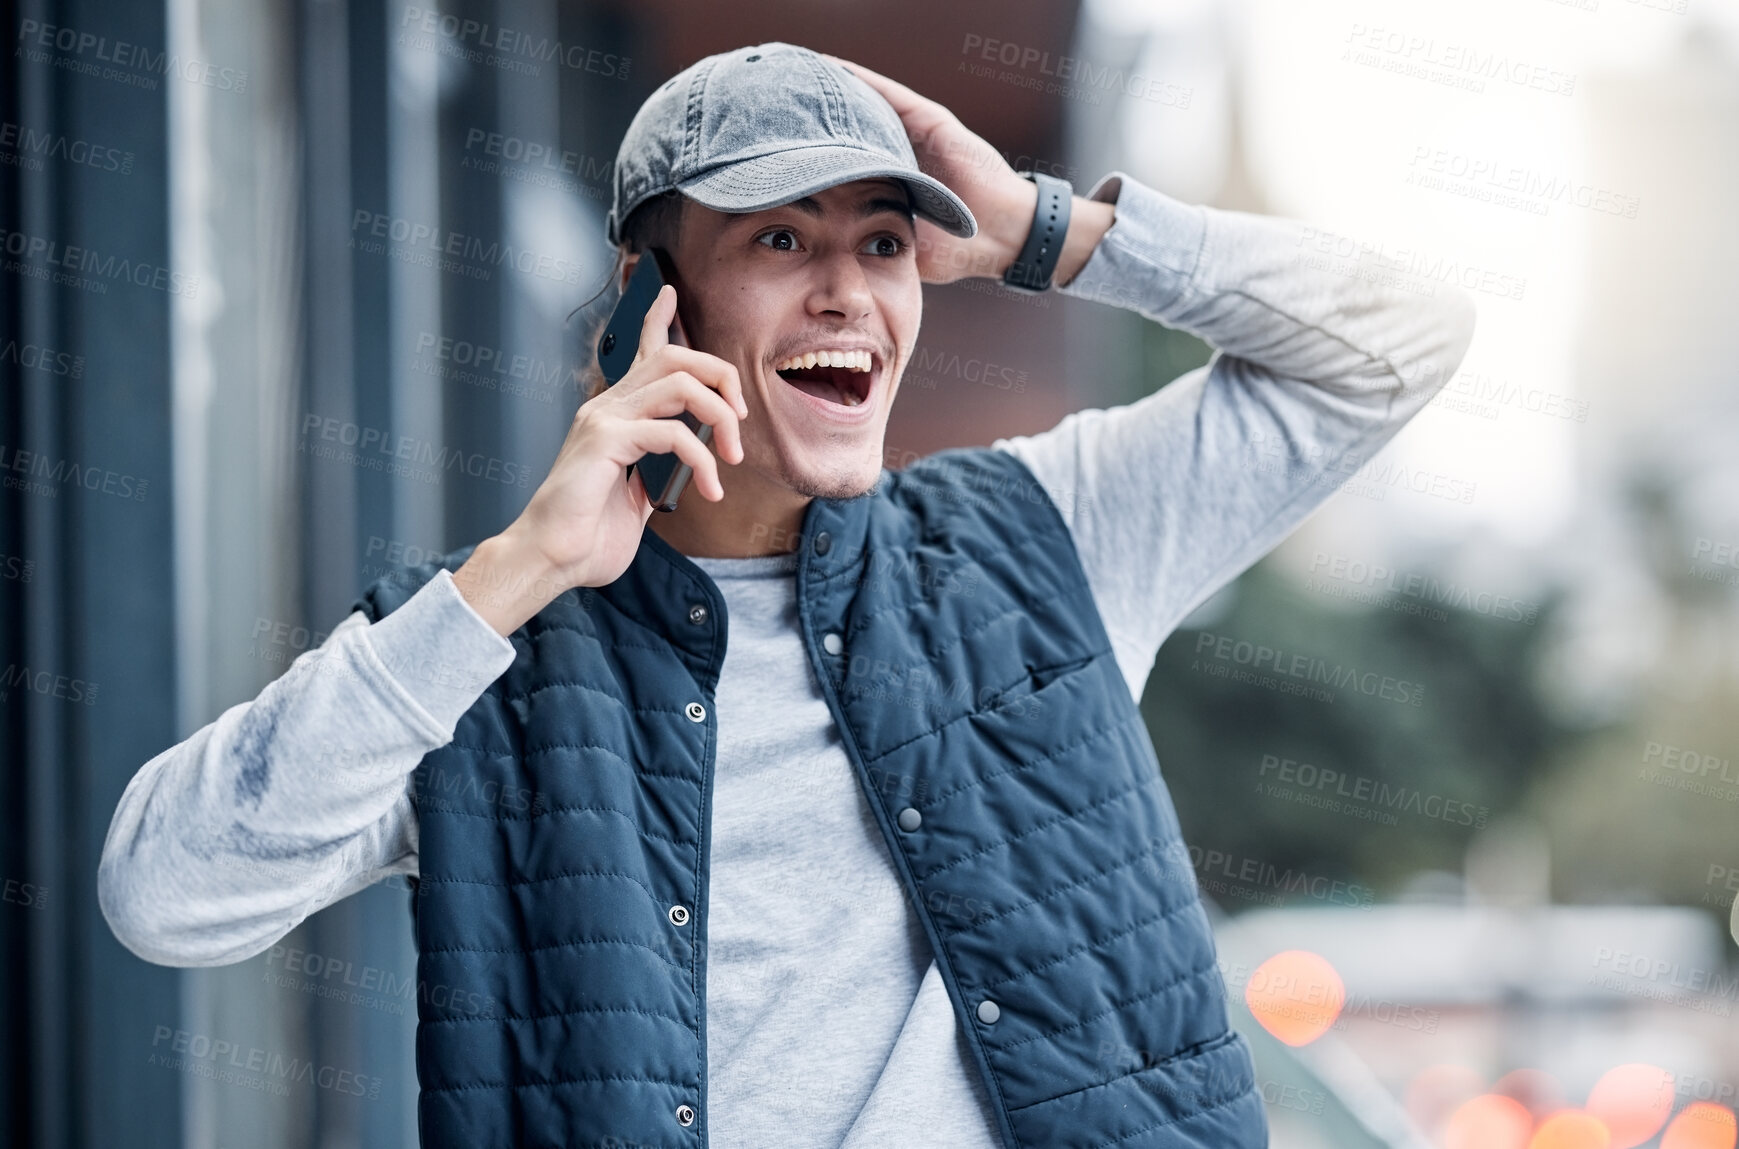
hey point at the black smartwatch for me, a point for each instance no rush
(1031, 271)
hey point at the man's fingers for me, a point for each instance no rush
(901, 97)
(711, 370)
(672, 437)
(638, 496)
(658, 357)
(920, 114)
(655, 328)
(681, 391)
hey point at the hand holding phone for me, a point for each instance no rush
(645, 348)
(620, 348)
(584, 523)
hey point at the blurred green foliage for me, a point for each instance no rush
(1467, 753)
(1484, 736)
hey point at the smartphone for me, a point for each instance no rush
(664, 475)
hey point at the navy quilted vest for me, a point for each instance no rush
(562, 904)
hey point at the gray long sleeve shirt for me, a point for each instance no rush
(828, 1024)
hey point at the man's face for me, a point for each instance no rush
(836, 271)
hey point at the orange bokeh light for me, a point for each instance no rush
(1702, 1125)
(1634, 1101)
(1571, 1129)
(1295, 995)
(1489, 1121)
(1437, 1091)
(1536, 1089)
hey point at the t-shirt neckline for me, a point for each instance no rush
(755, 566)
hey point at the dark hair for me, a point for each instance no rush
(656, 222)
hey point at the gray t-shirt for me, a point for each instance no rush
(814, 959)
(828, 1025)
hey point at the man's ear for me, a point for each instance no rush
(629, 262)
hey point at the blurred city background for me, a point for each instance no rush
(1494, 919)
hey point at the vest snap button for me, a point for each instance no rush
(685, 1115)
(823, 543)
(988, 1012)
(832, 643)
(697, 613)
(695, 711)
(679, 915)
(910, 819)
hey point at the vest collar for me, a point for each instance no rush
(661, 586)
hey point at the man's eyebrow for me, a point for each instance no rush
(872, 206)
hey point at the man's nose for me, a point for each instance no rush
(842, 288)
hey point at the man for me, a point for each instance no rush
(896, 865)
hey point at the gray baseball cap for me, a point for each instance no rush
(761, 126)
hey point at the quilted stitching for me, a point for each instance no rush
(1052, 817)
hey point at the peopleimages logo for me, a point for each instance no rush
(16, 568)
(1728, 877)
(1304, 669)
(403, 455)
(1380, 580)
(503, 47)
(89, 54)
(1409, 262)
(1228, 874)
(46, 683)
(1344, 793)
(67, 472)
(28, 142)
(1676, 768)
(33, 357)
(1495, 180)
(1355, 474)
(531, 162)
(1449, 62)
(1486, 394)
(490, 368)
(472, 256)
(1664, 980)
(204, 1056)
(1069, 76)
(37, 255)
(928, 365)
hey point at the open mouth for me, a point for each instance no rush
(842, 377)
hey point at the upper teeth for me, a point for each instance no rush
(850, 360)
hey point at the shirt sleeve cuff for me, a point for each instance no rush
(1147, 260)
(439, 649)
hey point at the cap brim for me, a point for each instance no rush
(764, 182)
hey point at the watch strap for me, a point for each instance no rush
(1032, 269)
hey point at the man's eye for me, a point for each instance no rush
(790, 235)
(895, 245)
